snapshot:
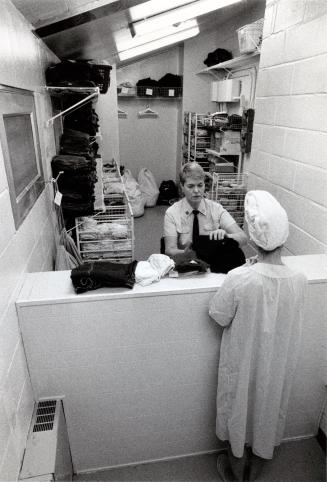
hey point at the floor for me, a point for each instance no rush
(301, 461)
(148, 230)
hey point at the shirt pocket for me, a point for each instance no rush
(184, 227)
(210, 226)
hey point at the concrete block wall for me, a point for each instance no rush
(289, 155)
(31, 248)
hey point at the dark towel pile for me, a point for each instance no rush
(99, 274)
(222, 255)
(194, 266)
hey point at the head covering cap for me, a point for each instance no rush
(266, 219)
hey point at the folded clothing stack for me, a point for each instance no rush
(76, 183)
(98, 274)
(77, 158)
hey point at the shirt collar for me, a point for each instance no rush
(187, 208)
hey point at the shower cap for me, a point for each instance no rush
(266, 219)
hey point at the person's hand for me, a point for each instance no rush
(218, 234)
(185, 256)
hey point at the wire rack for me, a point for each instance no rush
(108, 235)
(103, 241)
(229, 190)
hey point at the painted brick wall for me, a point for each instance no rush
(289, 156)
(23, 59)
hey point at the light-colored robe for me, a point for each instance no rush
(261, 308)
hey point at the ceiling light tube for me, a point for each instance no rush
(186, 12)
(159, 43)
(126, 44)
(153, 7)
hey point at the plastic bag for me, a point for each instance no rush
(134, 194)
(148, 187)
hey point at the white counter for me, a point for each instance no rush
(138, 368)
(56, 286)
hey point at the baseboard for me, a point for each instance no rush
(150, 461)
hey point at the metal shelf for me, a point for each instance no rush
(231, 64)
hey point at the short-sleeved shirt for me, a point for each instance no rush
(179, 219)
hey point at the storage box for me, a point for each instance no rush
(250, 36)
(231, 143)
(225, 90)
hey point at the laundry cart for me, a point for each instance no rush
(229, 190)
(108, 235)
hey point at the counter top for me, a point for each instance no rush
(56, 286)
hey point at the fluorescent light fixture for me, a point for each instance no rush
(128, 43)
(159, 43)
(153, 7)
(176, 15)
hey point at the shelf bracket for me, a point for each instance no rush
(74, 106)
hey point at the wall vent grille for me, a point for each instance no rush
(45, 415)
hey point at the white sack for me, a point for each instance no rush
(134, 194)
(148, 187)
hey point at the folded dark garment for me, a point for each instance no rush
(91, 276)
(222, 255)
(77, 208)
(84, 126)
(77, 197)
(76, 134)
(69, 162)
(77, 151)
(69, 183)
(170, 80)
(147, 82)
(195, 265)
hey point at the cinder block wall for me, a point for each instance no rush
(289, 155)
(23, 60)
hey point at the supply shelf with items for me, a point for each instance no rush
(213, 140)
(108, 235)
(161, 93)
(196, 139)
(229, 190)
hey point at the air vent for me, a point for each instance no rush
(45, 415)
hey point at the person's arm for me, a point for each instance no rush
(222, 307)
(171, 242)
(233, 231)
(178, 255)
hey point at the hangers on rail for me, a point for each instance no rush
(147, 112)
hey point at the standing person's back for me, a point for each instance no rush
(258, 353)
(260, 306)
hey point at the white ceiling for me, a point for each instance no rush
(89, 28)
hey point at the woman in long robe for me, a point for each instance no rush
(260, 307)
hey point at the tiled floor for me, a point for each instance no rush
(301, 461)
